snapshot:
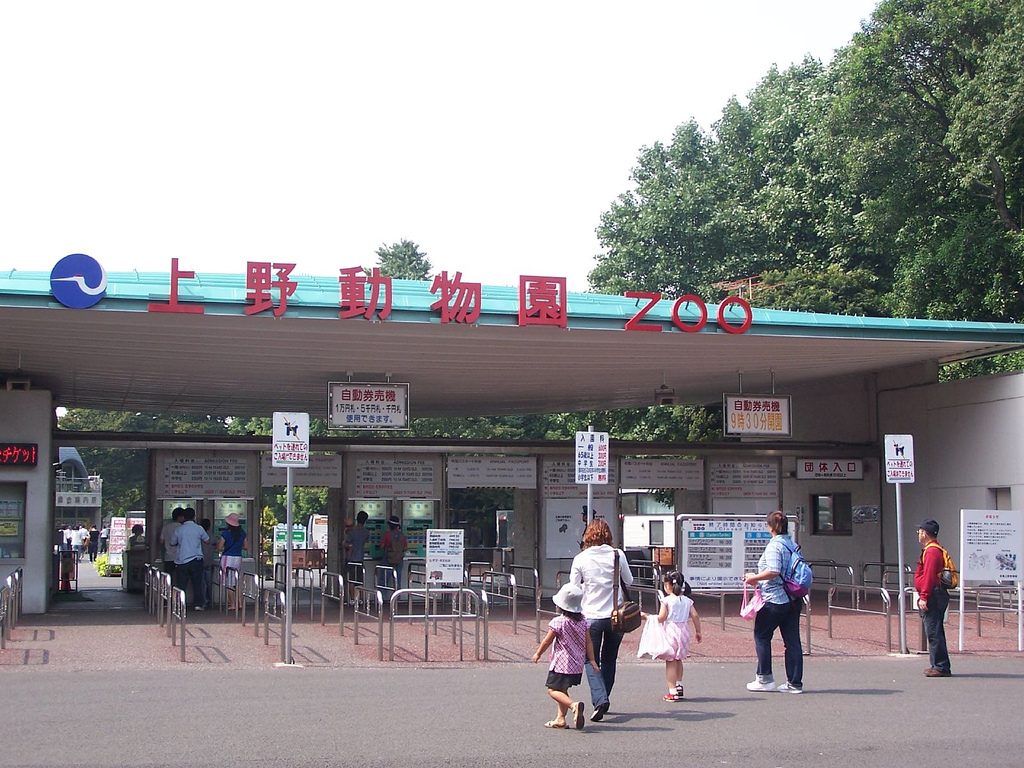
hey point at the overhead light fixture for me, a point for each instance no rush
(665, 395)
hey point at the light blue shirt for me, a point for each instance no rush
(777, 556)
(189, 538)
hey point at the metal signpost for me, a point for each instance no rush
(290, 449)
(899, 469)
(591, 464)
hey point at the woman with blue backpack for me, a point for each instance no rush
(781, 610)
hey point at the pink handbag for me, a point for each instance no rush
(751, 606)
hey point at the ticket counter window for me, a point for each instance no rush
(833, 514)
(12, 520)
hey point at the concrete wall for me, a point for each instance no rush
(968, 440)
(27, 417)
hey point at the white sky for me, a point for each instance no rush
(492, 134)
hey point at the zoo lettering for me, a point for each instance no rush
(634, 324)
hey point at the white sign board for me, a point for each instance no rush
(323, 472)
(829, 469)
(684, 474)
(899, 458)
(191, 477)
(290, 447)
(564, 523)
(764, 415)
(744, 479)
(592, 458)
(716, 550)
(368, 405)
(445, 555)
(558, 481)
(991, 545)
(492, 472)
(386, 477)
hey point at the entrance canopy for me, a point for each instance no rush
(243, 345)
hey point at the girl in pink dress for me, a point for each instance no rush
(676, 610)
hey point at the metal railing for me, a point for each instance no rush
(176, 624)
(164, 598)
(5, 612)
(369, 603)
(646, 580)
(281, 577)
(229, 585)
(461, 596)
(987, 598)
(528, 583)
(274, 610)
(501, 586)
(14, 584)
(332, 587)
(885, 571)
(251, 588)
(386, 578)
(856, 605)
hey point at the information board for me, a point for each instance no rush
(445, 555)
(387, 477)
(716, 550)
(492, 472)
(681, 474)
(592, 458)
(899, 458)
(204, 476)
(991, 545)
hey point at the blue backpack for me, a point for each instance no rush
(798, 582)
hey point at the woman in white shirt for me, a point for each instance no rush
(593, 570)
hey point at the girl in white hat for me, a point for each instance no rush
(572, 649)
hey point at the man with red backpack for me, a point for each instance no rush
(933, 599)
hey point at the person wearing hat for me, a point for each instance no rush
(392, 546)
(572, 650)
(230, 546)
(933, 599)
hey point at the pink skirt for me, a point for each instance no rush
(679, 639)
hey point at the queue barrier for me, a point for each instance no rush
(461, 595)
(386, 578)
(527, 584)
(501, 586)
(176, 624)
(857, 603)
(274, 610)
(281, 577)
(369, 603)
(251, 591)
(828, 571)
(164, 598)
(885, 571)
(990, 598)
(10, 605)
(332, 587)
(5, 611)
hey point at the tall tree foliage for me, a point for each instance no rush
(886, 183)
(404, 261)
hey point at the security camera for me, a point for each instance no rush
(665, 395)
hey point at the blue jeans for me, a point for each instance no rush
(786, 618)
(606, 651)
(938, 653)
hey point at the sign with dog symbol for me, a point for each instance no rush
(291, 440)
(899, 458)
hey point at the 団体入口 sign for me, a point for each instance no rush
(763, 415)
(829, 469)
(368, 405)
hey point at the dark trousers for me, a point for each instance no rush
(934, 628)
(191, 573)
(785, 618)
(606, 651)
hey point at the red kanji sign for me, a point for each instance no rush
(353, 286)
(259, 282)
(172, 305)
(459, 301)
(543, 301)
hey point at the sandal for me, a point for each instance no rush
(671, 697)
(577, 715)
(555, 724)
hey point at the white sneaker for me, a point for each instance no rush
(761, 684)
(787, 688)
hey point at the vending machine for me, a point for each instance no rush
(417, 518)
(224, 507)
(376, 522)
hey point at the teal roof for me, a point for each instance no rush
(318, 297)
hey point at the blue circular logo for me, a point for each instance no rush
(78, 281)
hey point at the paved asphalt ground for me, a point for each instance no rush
(104, 687)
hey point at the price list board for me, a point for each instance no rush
(717, 550)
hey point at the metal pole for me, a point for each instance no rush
(590, 493)
(899, 550)
(286, 641)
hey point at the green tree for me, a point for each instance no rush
(404, 261)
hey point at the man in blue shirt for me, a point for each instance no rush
(188, 564)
